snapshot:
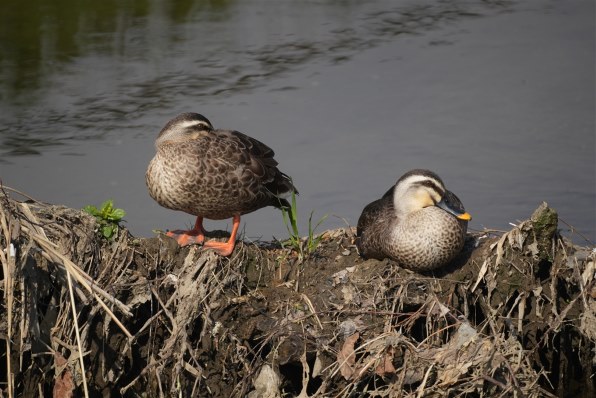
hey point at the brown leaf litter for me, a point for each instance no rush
(514, 315)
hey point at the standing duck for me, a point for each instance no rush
(214, 174)
(418, 223)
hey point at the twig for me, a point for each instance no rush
(36, 231)
(496, 382)
(73, 270)
(305, 371)
(312, 309)
(20, 193)
(148, 323)
(77, 332)
(8, 267)
(576, 231)
(421, 389)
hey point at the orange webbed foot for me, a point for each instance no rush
(195, 236)
(225, 248)
(185, 238)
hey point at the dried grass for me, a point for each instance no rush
(513, 317)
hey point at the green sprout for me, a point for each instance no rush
(107, 217)
(305, 247)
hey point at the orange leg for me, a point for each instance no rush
(225, 249)
(193, 236)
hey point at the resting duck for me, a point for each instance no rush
(418, 223)
(214, 174)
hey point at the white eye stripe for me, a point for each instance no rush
(417, 179)
(190, 123)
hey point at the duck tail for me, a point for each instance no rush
(282, 187)
(285, 185)
(281, 203)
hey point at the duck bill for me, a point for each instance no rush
(462, 215)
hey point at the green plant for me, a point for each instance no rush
(312, 240)
(303, 246)
(107, 217)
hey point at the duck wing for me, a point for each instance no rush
(378, 212)
(254, 163)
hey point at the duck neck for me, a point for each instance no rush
(404, 202)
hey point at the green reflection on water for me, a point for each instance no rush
(73, 70)
(39, 36)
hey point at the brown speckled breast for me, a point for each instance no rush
(424, 240)
(215, 175)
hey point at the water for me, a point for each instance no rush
(497, 97)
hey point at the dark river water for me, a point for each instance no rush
(497, 97)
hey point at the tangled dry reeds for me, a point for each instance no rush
(515, 315)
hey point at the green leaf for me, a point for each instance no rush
(117, 214)
(313, 241)
(106, 208)
(107, 216)
(294, 215)
(91, 210)
(107, 231)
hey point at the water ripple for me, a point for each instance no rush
(106, 76)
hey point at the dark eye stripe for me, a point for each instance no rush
(197, 127)
(432, 185)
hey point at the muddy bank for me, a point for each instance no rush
(513, 315)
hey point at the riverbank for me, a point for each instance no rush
(514, 314)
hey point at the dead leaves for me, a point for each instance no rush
(466, 355)
(266, 384)
(346, 357)
(64, 385)
(385, 367)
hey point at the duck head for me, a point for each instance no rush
(184, 127)
(420, 188)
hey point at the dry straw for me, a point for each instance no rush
(84, 316)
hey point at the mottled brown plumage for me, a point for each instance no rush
(417, 223)
(214, 174)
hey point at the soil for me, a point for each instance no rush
(513, 315)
